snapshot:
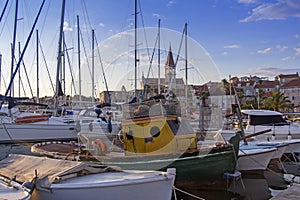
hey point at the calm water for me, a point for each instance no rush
(252, 185)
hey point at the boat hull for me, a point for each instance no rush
(112, 185)
(35, 132)
(12, 190)
(255, 159)
(190, 167)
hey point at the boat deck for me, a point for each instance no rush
(289, 194)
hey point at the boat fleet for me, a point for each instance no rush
(152, 142)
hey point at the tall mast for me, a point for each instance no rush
(79, 67)
(158, 81)
(59, 56)
(19, 71)
(14, 44)
(135, 48)
(37, 67)
(0, 70)
(93, 66)
(186, 69)
(63, 73)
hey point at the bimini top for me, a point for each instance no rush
(260, 112)
(265, 118)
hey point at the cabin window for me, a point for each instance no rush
(155, 131)
(180, 128)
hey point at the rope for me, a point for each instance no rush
(194, 196)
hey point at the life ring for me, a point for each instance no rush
(100, 147)
(31, 119)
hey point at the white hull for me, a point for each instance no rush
(13, 190)
(281, 147)
(280, 132)
(254, 159)
(99, 128)
(126, 185)
(34, 132)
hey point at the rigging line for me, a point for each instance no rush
(144, 30)
(149, 69)
(87, 20)
(181, 41)
(84, 50)
(22, 55)
(104, 77)
(3, 11)
(47, 68)
(26, 77)
(44, 22)
(10, 7)
(69, 62)
(3, 79)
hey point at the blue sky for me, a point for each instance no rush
(241, 37)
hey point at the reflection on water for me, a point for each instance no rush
(252, 185)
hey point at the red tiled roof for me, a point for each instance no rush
(292, 83)
(288, 75)
(267, 84)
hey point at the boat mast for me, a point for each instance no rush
(93, 66)
(59, 57)
(37, 67)
(0, 70)
(19, 71)
(186, 70)
(135, 48)
(13, 45)
(158, 80)
(79, 67)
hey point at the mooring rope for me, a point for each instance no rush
(192, 195)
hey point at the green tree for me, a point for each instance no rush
(226, 86)
(277, 102)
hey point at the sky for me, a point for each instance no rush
(225, 37)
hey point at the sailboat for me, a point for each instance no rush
(30, 127)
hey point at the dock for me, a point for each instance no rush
(291, 193)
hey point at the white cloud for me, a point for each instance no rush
(297, 51)
(234, 46)
(67, 27)
(264, 51)
(274, 11)
(281, 48)
(225, 53)
(247, 1)
(171, 2)
(272, 71)
(288, 58)
(156, 15)
(101, 24)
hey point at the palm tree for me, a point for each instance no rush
(277, 102)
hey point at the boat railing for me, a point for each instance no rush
(155, 107)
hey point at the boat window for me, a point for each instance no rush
(180, 128)
(267, 120)
(155, 131)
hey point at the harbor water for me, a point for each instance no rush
(256, 185)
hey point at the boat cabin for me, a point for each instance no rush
(155, 126)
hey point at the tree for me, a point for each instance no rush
(277, 101)
(226, 86)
